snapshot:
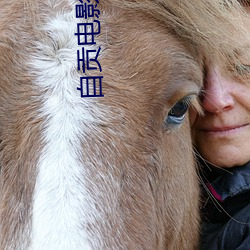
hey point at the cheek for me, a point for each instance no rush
(243, 95)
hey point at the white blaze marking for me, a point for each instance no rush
(61, 203)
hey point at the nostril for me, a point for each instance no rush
(216, 100)
(216, 95)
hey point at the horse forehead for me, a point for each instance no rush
(153, 56)
(148, 47)
(143, 37)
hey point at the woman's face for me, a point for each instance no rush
(222, 136)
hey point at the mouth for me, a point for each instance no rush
(227, 130)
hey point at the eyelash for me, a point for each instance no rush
(242, 71)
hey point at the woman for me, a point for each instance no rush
(222, 139)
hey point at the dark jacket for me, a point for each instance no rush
(226, 211)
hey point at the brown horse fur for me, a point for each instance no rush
(108, 172)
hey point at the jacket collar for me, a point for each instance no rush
(229, 183)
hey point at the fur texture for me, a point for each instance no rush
(102, 173)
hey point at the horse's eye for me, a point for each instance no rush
(178, 112)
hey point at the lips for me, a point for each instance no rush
(223, 129)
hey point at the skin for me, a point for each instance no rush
(222, 135)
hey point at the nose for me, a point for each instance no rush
(217, 94)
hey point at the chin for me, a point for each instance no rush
(227, 160)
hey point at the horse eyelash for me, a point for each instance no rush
(195, 105)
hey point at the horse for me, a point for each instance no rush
(112, 169)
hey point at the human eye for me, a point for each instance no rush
(242, 69)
